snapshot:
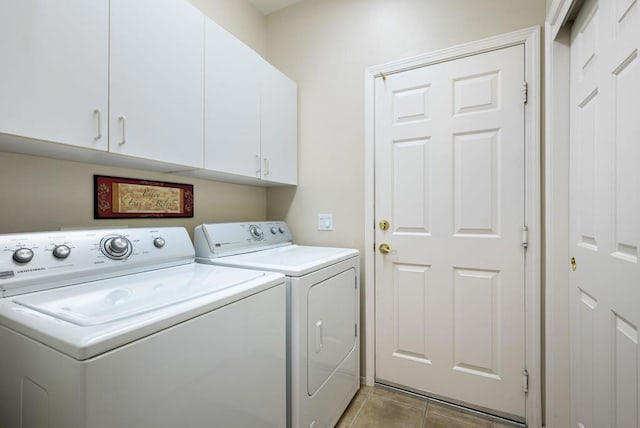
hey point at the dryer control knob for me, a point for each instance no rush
(61, 251)
(274, 230)
(159, 242)
(281, 229)
(256, 232)
(23, 255)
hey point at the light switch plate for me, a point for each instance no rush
(325, 221)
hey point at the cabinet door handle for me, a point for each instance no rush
(266, 166)
(258, 166)
(98, 116)
(124, 129)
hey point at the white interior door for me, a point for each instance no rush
(449, 178)
(604, 223)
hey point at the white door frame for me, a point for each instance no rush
(530, 38)
(556, 279)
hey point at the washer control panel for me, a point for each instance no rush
(223, 239)
(42, 260)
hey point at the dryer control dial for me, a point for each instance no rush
(159, 242)
(256, 232)
(116, 247)
(23, 255)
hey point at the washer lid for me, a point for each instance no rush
(101, 302)
(291, 260)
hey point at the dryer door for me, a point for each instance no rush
(331, 326)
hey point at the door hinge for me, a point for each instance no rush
(525, 237)
(525, 381)
(355, 330)
(525, 92)
(355, 281)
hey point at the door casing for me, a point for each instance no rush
(531, 39)
(557, 388)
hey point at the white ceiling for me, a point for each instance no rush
(270, 6)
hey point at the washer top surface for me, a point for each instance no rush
(291, 260)
(264, 245)
(114, 299)
(88, 319)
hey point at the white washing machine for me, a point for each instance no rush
(323, 315)
(121, 329)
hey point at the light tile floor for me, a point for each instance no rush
(379, 407)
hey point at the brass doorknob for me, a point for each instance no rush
(384, 248)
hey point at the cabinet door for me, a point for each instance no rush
(232, 104)
(156, 81)
(279, 144)
(54, 70)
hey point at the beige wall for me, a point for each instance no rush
(40, 193)
(46, 194)
(240, 18)
(325, 46)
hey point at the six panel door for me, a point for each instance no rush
(604, 225)
(449, 178)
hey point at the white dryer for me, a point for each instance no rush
(323, 311)
(121, 329)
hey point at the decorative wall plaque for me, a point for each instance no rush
(118, 197)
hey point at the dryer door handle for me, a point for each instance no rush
(319, 339)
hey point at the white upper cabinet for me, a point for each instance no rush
(250, 114)
(143, 83)
(279, 127)
(156, 81)
(232, 104)
(54, 73)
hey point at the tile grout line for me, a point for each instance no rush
(355, 418)
(424, 416)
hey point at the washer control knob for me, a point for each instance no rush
(61, 251)
(281, 229)
(159, 242)
(116, 247)
(256, 232)
(274, 230)
(23, 255)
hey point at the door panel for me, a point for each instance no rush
(449, 177)
(54, 79)
(156, 81)
(232, 104)
(604, 227)
(411, 327)
(411, 186)
(330, 326)
(476, 183)
(476, 302)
